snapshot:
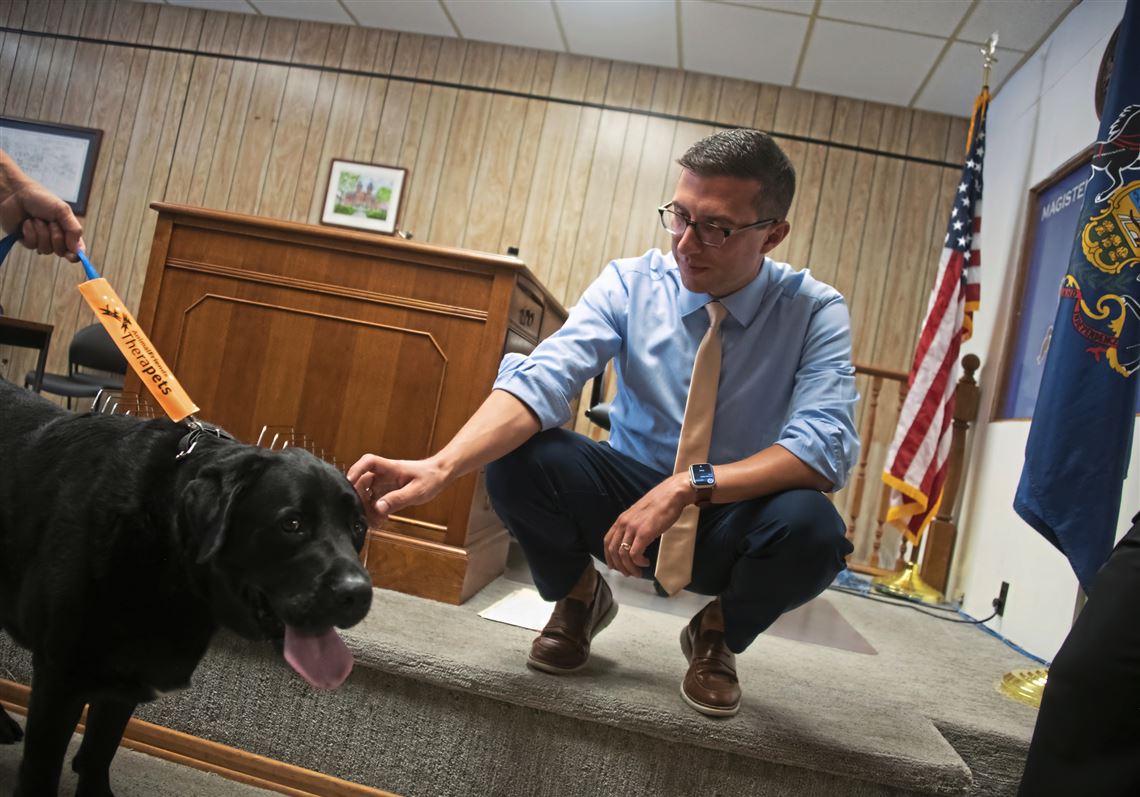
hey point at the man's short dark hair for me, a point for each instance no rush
(749, 154)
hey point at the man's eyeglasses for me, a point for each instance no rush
(708, 234)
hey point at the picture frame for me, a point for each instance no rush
(1054, 209)
(61, 157)
(364, 196)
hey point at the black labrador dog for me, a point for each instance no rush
(125, 543)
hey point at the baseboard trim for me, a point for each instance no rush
(229, 762)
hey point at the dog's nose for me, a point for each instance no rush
(352, 595)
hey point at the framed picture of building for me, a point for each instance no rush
(61, 157)
(364, 196)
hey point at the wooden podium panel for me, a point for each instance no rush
(360, 342)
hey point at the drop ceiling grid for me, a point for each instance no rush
(912, 53)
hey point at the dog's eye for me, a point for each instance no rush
(359, 535)
(292, 525)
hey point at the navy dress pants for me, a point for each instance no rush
(560, 492)
(1087, 737)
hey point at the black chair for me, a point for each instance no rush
(91, 348)
(30, 335)
(599, 411)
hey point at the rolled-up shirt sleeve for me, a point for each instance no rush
(820, 428)
(550, 377)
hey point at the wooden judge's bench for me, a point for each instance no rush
(363, 343)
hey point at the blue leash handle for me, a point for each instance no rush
(10, 241)
(92, 274)
(7, 244)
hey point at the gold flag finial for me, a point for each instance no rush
(988, 58)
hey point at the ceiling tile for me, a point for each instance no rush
(236, 6)
(1020, 23)
(917, 16)
(879, 50)
(958, 79)
(866, 63)
(739, 42)
(309, 10)
(507, 22)
(413, 16)
(642, 31)
(791, 6)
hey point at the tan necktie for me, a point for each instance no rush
(675, 556)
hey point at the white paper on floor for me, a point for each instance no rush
(523, 607)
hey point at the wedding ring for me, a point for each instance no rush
(624, 546)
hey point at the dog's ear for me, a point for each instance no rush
(209, 500)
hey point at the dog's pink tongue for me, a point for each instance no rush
(320, 658)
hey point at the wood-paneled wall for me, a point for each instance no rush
(572, 185)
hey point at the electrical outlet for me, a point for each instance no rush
(999, 601)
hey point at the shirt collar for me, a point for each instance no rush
(742, 306)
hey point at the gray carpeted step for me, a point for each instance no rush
(441, 704)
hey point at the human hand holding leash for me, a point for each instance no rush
(46, 222)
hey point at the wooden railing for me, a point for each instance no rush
(877, 425)
(879, 547)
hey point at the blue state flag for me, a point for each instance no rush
(1081, 436)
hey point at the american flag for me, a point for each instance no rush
(918, 456)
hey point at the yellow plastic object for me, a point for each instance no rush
(137, 349)
(1025, 686)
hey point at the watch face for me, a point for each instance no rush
(702, 475)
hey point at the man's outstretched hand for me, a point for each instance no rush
(388, 485)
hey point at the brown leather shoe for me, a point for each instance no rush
(564, 645)
(710, 685)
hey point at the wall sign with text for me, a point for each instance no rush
(1055, 208)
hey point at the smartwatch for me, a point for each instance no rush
(703, 479)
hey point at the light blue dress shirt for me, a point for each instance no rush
(786, 373)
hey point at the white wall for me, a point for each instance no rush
(1042, 117)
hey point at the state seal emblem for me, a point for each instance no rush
(1111, 238)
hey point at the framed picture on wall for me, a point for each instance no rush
(364, 196)
(61, 157)
(1054, 209)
